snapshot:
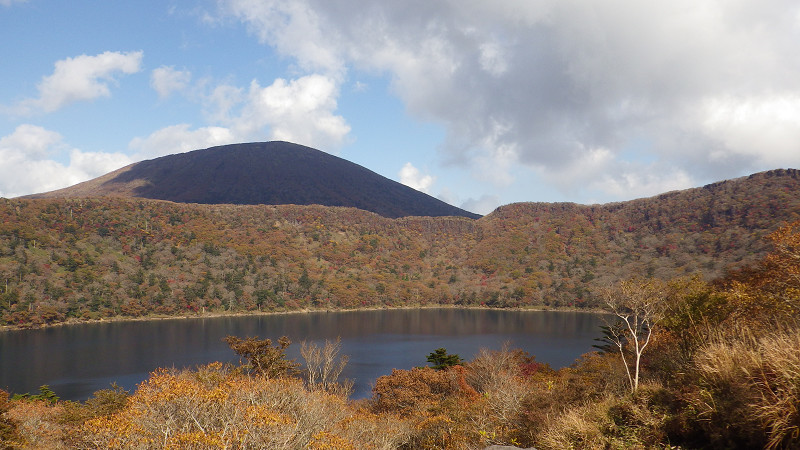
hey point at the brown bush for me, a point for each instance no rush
(324, 366)
(37, 424)
(439, 404)
(8, 428)
(407, 392)
(505, 379)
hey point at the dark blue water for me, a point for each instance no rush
(77, 360)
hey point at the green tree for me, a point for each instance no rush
(45, 393)
(442, 360)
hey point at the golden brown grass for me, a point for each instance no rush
(752, 385)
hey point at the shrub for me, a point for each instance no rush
(8, 428)
(37, 424)
(264, 358)
(218, 407)
(505, 379)
(45, 394)
(439, 405)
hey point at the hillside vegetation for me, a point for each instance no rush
(92, 258)
(721, 369)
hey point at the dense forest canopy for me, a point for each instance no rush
(91, 258)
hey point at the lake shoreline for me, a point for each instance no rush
(212, 315)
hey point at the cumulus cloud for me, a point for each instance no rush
(544, 84)
(29, 164)
(166, 80)
(300, 110)
(80, 78)
(413, 178)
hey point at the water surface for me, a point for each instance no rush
(77, 360)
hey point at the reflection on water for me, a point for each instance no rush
(80, 359)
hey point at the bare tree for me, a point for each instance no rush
(324, 365)
(639, 305)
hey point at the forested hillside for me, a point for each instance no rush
(719, 368)
(90, 258)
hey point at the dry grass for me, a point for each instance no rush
(629, 421)
(752, 385)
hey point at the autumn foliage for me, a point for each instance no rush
(721, 368)
(96, 258)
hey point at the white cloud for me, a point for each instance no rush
(601, 173)
(166, 80)
(80, 78)
(592, 165)
(293, 28)
(11, 2)
(300, 110)
(763, 129)
(493, 58)
(179, 139)
(28, 165)
(413, 178)
(28, 142)
(563, 78)
(94, 164)
(495, 156)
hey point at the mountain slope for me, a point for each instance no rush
(272, 173)
(71, 258)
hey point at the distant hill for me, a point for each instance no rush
(72, 258)
(269, 173)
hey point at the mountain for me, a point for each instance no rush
(72, 258)
(270, 173)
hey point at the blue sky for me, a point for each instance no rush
(477, 103)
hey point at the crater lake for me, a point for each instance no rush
(77, 360)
